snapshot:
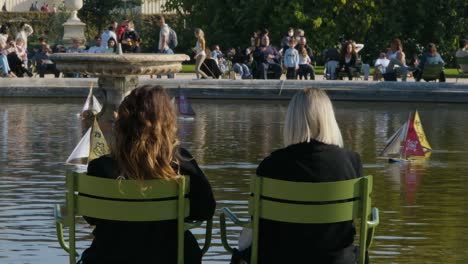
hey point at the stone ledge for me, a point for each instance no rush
(252, 89)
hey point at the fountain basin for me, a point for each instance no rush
(119, 65)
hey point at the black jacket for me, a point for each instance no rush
(119, 242)
(301, 243)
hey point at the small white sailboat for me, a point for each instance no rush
(408, 143)
(92, 103)
(91, 146)
(184, 108)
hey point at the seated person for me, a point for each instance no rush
(463, 52)
(430, 56)
(380, 65)
(309, 69)
(332, 59)
(146, 147)
(16, 63)
(240, 61)
(97, 46)
(397, 59)
(313, 152)
(111, 46)
(268, 63)
(43, 63)
(74, 48)
(5, 70)
(348, 60)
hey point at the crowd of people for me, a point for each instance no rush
(259, 60)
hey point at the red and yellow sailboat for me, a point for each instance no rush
(409, 142)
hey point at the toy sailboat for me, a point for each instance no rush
(91, 146)
(92, 103)
(409, 142)
(183, 106)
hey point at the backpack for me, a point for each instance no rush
(172, 39)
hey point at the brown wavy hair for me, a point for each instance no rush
(145, 141)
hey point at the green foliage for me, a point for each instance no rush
(97, 14)
(372, 22)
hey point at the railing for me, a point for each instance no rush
(154, 7)
(147, 6)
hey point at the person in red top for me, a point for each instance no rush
(121, 30)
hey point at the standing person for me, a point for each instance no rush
(145, 147)
(200, 54)
(4, 7)
(463, 52)
(397, 59)
(313, 152)
(25, 31)
(121, 30)
(291, 60)
(305, 67)
(106, 35)
(131, 39)
(163, 44)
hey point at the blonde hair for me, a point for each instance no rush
(201, 37)
(145, 135)
(310, 115)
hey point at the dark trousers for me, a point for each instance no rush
(306, 70)
(47, 68)
(347, 70)
(291, 73)
(269, 71)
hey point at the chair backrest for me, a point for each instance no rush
(127, 200)
(310, 203)
(432, 71)
(462, 61)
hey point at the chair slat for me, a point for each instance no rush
(311, 191)
(310, 214)
(432, 71)
(125, 189)
(127, 211)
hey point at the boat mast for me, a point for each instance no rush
(406, 135)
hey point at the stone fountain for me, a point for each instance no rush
(117, 73)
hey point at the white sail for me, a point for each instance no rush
(82, 148)
(393, 145)
(92, 103)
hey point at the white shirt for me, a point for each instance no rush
(106, 35)
(95, 49)
(382, 64)
(164, 32)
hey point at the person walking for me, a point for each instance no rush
(163, 44)
(200, 54)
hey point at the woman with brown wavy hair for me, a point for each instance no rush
(145, 146)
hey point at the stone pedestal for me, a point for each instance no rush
(74, 30)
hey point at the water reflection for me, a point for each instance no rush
(424, 206)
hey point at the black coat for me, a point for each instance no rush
(301, 243)
(119, 242)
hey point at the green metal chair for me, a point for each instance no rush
(431, 72)
(302, 203)
(461, 61)
(152, 200)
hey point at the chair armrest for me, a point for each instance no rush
(208, 233)
(375, 220)
(222, 222)
(59, 222)
(233, 217)
(372, 224)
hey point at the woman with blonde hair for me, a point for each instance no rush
(313, 152)
(145, 146)
(200, 53)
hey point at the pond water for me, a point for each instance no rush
(423, 207)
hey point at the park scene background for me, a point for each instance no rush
(423, 207)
